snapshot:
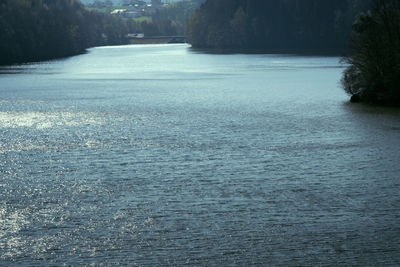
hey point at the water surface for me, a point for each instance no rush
(160, 155)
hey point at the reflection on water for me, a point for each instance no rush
(43, 120)
(158, 155)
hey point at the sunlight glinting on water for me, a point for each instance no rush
(43, 120)
(162, 155)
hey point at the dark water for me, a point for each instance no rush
(158, 155)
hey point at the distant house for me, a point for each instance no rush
(119, 12)
(138, 8)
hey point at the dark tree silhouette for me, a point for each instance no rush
(374, 72)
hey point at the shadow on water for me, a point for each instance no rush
(42, 68)
(375, 121)
(268, 51)
(361, 108)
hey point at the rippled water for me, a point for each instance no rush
(160, 155)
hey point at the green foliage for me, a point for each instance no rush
(34, 30)
(171, 20)
(143, 18)
(374, 71)
(274, 24)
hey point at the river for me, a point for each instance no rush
(163, 155)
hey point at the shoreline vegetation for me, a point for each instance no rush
(373, 75)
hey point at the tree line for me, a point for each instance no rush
(274, 24)
(34, 30)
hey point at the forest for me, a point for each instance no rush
(170, 20)
(34, 30)
(275, 25)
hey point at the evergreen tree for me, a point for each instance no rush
(290, 25)
(33, 30)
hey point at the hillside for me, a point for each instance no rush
(45, 29)
(275, 24)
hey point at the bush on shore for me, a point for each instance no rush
(373, 74)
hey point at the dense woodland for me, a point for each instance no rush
(275, 24)
(171, 20)
(33, 30)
